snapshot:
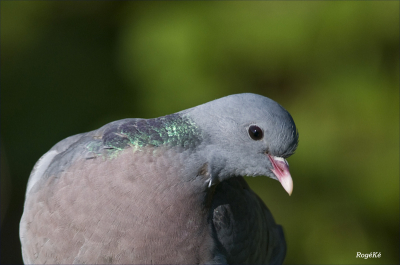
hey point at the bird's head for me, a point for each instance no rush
(246, 135)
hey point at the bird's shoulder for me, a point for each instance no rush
(110, 140)
(104, 141)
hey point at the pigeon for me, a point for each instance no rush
(168, 190)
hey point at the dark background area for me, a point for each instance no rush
(71, 67)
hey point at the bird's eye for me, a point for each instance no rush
(255, 132)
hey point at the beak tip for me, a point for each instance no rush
(288, 186)
(281, 171)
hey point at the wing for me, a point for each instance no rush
(244, 228)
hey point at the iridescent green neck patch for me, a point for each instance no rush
(172, 130)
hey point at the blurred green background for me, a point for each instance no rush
(71, 67)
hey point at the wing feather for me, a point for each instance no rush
(244, 227)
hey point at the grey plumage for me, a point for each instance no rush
(165, 190)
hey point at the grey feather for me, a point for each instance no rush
(164, 190)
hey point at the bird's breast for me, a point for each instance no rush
(134, 208)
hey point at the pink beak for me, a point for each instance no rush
(281, 171)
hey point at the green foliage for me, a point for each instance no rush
(69, 67)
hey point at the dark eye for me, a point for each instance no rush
(255, 132)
